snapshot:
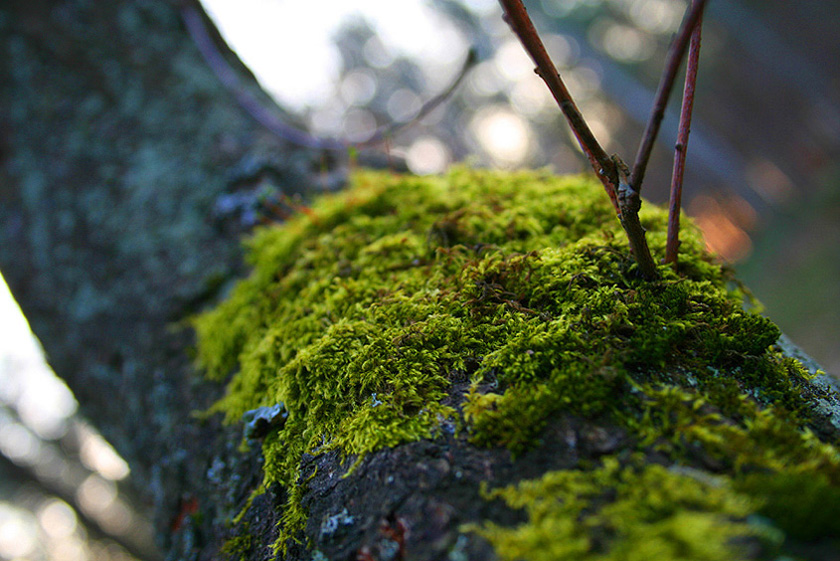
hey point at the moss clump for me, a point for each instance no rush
(630, 512)
(360, 314)
(237, 547)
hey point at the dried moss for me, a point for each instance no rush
(360, 313)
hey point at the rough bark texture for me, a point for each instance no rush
(117, 146)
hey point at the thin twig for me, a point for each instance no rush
(390, 130)
(517, 17)
(611, 170)
(675, 201)
(666, 84)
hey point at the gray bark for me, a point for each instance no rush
(116, 144)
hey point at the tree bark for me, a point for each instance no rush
(117, 144)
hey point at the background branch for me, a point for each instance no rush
(267, 116)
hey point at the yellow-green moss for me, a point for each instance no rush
(634, 512)
(237, 547)
(360, 313)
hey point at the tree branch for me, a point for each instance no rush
(611, 170)
(517, 17)
(387, 131)
(675, 200)
(666, 84)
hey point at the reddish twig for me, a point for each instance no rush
(611, 170)
(663, 92)
(675, 201)
(517, 17)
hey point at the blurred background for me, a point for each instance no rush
(62, 496)
(763, 180)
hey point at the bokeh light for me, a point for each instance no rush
(18, 532)
(18, 443)
(502, 134)
(42, 434)
(622, 42)
(97, 455)
(403, 105)
(58, 519)
(721, 231)
(42, 401)
(428, 155)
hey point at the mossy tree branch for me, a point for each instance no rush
(515, 354)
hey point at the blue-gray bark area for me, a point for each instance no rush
(118, 148)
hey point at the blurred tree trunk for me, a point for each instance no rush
(116, 144)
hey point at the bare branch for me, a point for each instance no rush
(666, 84)
(630, 202)
(675, 201)
(269, 118)
(387, 131)
(517, 17)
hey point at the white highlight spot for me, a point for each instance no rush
(57, 519)
(427, 155)
(18, 532)
(97, 455)
(504, 135)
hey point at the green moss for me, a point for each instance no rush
(237, 547)
(631, 512)
(804, 504)
(359, 315)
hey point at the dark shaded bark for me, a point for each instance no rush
(118, 144)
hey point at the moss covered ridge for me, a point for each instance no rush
(364, 314)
